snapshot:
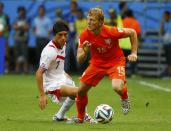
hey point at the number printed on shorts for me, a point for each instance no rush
(121, 70)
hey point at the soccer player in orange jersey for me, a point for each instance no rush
(107, 58)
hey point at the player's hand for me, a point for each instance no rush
(86, 46)
(132, 57)
(43, 102)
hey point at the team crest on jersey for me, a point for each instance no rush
(107, 41)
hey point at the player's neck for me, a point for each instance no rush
(56, 44)
(97, 31)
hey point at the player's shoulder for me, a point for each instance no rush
(84, 33)
(109, 28)
(49, 49)
(113, 29)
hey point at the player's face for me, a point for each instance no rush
(93, 22)
(61, 38)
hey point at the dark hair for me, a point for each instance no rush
(166, 12)
(2, 4)
(60, 26)
(129, 13)
(21, 8)
(42, 7)
(80, 11)
(122, 4)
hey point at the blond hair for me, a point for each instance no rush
(96, 12)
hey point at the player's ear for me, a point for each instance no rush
(101, 23)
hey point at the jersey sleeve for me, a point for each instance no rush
(116, 32)
(46, 58)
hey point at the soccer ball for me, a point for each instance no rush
(103, 113)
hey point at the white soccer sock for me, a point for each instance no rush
(65, 107)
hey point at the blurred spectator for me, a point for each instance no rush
(130, 22)
(59, 15)
(70, 17)
(81, 24)
(165, 29)
(165, 21)
(112, 21)
(42, 27)
(123, 8)
(21, 36)
(5, 24)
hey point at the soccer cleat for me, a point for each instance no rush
(74, 120)
(125, 106)
(89, 119)
(55, 118)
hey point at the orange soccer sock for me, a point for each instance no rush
(124, 93)
(81, 103)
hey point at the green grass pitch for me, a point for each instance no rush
(150, 108)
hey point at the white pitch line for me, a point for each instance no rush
(154, 86)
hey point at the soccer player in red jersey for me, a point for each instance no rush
(107, 58)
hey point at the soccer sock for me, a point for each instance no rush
(81, 103)
(124, 93)
(65, 107)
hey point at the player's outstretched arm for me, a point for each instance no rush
(131, 33)
(83, 51)
(39, 80)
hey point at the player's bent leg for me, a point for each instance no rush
(117, 85)
(120, 87)
(68, 91)
(82, 100)
(60, 115)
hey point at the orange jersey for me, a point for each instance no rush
(105, 50)
(130, 22)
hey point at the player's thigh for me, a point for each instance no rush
(117, 75)
(83, 89)
(117, 84)
(117, 72)
(68, 91)
(92, 75)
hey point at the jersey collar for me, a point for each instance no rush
(56, 45)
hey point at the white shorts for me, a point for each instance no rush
(56, 86)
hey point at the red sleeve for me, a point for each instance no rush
(116, 32)
(82, 38)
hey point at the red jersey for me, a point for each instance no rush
(105, 50)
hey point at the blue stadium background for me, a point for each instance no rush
(148, 13)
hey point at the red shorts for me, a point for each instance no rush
(93, 74)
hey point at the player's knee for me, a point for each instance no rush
(74, 93)
(82, 93)
(118, 86)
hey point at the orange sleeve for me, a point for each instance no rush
(116, 32)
